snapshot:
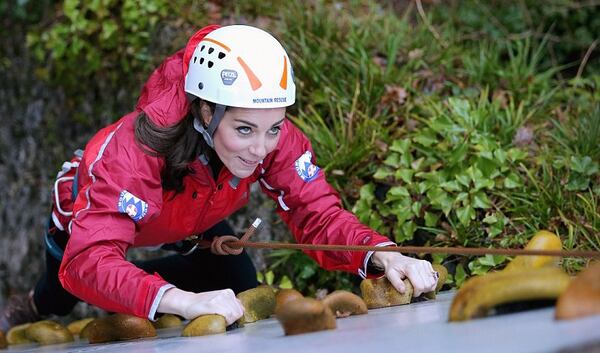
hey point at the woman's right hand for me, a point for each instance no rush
(191, 305)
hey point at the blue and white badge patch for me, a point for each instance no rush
(306, 170)
(132, 206)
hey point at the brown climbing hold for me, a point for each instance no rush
(48, 332)
(380, 293)
(259, 304)
(205, 325)
(343, 303)
(167, 321)
(582, 296)
(285, 296)
(76, 327)
(117, 327)
(305, 315)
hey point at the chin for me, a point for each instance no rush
(242, 173)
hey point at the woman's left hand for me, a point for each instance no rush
(398, 267)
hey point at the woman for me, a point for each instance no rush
(210, 122)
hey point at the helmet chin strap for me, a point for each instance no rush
(208, 132)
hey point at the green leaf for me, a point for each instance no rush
(401, 146)
(495, 229)
(512, 181)
(578, 182)
(393, 160)
(584, 165)
(480, 200)
(500, 155)
(490, 219)
(285, 283)
(405, 232)
(431, 219)
(451, 186)
(478, 269)
(416, 208)
(464, 179)
(516, 154)
(423, 186)
(417, 164)
(405, 175)
(382, 173)
(307, 272)
(396, 193)
(269, 277)
(367, 192)
(487, 166)
(459, 275)
(425, 140)
(465, 214)
(492, 260)
(402, 213)
(462, 196)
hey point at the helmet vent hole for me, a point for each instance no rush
(221, 55)
(210, 50)
(195, 57)
(202, 48)
(200, 85)
(210, 64)
(201, 61)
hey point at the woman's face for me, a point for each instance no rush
(245, 136)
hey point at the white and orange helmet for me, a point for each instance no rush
(239, 66)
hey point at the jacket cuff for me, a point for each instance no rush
(157, 299)
(362, 272)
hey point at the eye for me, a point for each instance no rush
(275, 130)
(244, 130)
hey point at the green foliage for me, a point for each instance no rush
(450, 169)
(571, 26)
(103, 38)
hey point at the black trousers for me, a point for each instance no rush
(199, 271)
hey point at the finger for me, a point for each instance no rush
(429, 276)
(396, 279)
(417, 280)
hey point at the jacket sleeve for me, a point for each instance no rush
(311, 208)
(120, 190)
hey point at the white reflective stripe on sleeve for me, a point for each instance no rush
(262, 180)
(91, 169)
(279, 198)
(281, 203)
(157, 300)
(363, 272)
(57, 222)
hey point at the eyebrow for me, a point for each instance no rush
(254, 125)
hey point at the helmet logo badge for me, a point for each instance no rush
(228, 77)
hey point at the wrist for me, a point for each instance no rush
(173, 302)
(381, 259)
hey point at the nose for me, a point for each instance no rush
(258, 148)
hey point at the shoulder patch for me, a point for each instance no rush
(306, 170)
(132, 206)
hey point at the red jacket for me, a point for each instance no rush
(121, 203)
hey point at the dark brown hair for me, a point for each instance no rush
(179, 144)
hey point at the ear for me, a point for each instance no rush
(205, 112)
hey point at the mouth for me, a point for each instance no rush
(248, 163)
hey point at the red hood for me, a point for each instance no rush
(163, 97)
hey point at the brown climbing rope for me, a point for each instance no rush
(231, 245)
